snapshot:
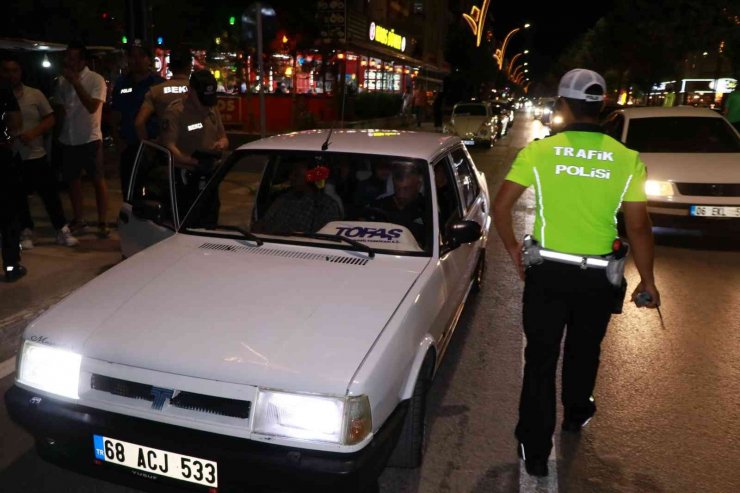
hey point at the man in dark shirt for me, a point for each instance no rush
(128, 95)
(373, 187)
(10, 125)
(406, 205)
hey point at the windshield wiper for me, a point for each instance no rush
(250, 236)
(336, 238)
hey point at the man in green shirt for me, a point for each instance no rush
(581, 177)
(732, 108)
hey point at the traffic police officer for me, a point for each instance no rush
(160, 96)
(581, 177)
(128, 96)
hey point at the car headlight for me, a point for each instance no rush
(50, 369)
(343, 420)
(557, 119)
(659, 188)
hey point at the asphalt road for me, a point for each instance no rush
(669, 398)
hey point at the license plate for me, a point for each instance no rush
(715, 211)
(155, 461)
(468, 142)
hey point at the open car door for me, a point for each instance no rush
(148, 214)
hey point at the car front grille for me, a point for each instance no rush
(710, 189)
(221, 406)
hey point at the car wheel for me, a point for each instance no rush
(479, 274)
(409, 449)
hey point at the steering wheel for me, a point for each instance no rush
(374, 213)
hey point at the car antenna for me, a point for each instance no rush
(325, 145)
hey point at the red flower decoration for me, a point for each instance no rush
(317, 174)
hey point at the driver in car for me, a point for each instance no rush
(303, 208)
(406, 205)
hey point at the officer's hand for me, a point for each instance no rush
(651, 290)
(516, 257)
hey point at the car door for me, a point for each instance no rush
(148, 214)
(474, 208)
(451, 260)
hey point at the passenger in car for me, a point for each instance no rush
(406, 205)
(304, 207)
(446, 201)
(373, 187)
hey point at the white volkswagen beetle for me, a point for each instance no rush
(283, 328)
(475, 122)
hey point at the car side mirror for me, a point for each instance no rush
(464, 232)
(150, 210)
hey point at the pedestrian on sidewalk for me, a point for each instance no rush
(439, 99)
(420, 103)
(10, 124)
(128, 95)
(572, 276)
(36, 173)
(78, 105)
(159, 97)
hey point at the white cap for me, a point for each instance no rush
(573, 85)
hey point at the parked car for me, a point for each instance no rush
(693, 161)
(281, 329)
(474, 122)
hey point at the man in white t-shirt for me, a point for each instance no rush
(36, 173)
(78, 102)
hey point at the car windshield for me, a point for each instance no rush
(681, 134)
(301, 197)
(470, 110)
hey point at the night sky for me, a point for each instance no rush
(555, 26)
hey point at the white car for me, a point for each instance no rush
(284, 326)
(693, 161)
(474, 122)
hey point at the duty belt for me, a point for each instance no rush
(567, 258)
(534, 254)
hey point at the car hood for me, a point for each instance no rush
(693, 168)
(464, 124)
(279, 316)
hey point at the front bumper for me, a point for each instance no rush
(677, 215)
(64, 435)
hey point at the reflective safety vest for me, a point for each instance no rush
(580, 178)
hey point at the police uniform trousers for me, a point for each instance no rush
(11, 195)
(560, 297)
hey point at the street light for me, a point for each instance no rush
(511, 62)
(499, 54)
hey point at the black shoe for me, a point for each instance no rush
(14, 272)
(574, 426)
(535, 466)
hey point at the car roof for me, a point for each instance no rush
(416, 145)
(675, 111)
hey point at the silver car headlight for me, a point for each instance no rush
(342, 420)
(659, 188)
(49, 369)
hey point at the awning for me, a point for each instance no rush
(369, 48)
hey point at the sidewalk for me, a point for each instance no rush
(55, 271)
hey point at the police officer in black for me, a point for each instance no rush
(10, 185)
(127, 97)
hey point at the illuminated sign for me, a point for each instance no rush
(386, 37)
(724, 86)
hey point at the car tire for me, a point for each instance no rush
(409, 450)
(479, 274)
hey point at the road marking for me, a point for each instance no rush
(7, 367)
